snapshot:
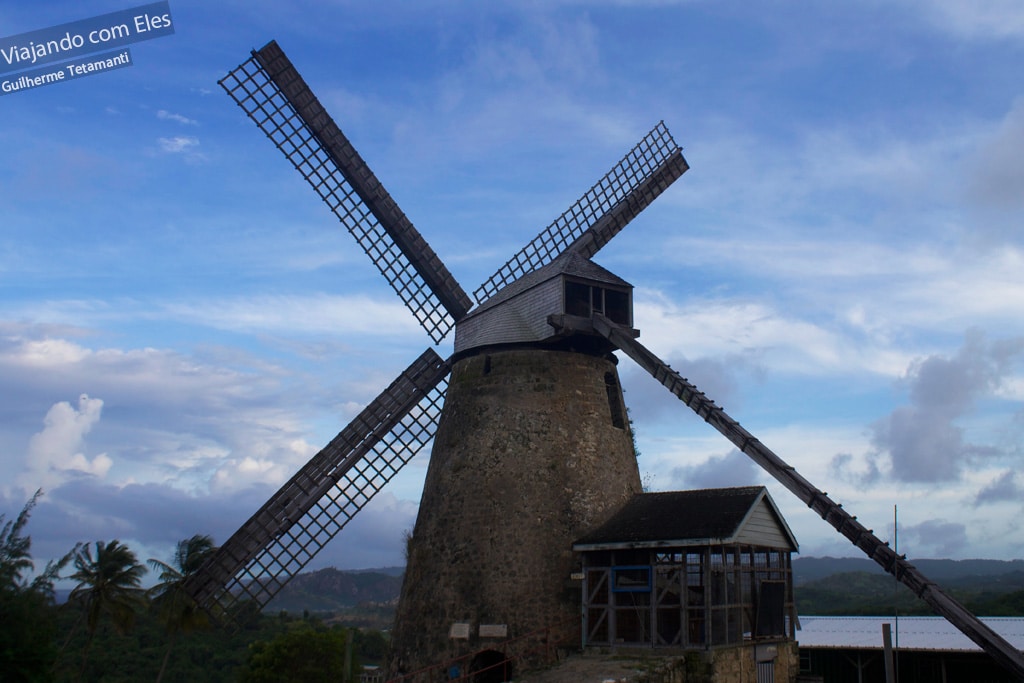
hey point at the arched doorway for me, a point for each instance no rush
(490, 666)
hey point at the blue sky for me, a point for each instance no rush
(183, 323)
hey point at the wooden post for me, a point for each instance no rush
(890, 674)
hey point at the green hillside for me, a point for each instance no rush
(855, 587)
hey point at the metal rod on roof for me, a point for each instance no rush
(896, 585)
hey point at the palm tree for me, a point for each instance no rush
(177, 609)
(29, 624)
(14, 548)
(107, 582)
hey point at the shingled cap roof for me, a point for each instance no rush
(570, 263)
(740, 515)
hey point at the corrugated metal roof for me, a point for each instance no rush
(915, 633)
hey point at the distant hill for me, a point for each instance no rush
(807, 569)
(855, 586)
(823, 585)
(330, 590)
(389, 571)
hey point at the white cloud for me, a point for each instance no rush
(271, 463)
(975, 20)
(924, 439)
(178, 144)
(997, 170)
(49, 351)
(934, 538)
(186, 421)
(165, 115)
(308, 313)
(732, 469)
(748, 329)
(1005, 487)
(55, 455)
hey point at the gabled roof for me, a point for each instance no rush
(569, 263)
(744, 515)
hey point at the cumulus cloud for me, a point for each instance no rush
(995, 174)
(1003, 488)
(998, 172)
(55, 453)
(746, 332)
(238, 470)
(923, 439)
(925, 446)
(848, 468)
(933, 538)
(152, 517)
(186, 444)
(732, 469)
(648, 401)
(196, 422)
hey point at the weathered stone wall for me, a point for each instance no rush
(739, 665)
(526, 459)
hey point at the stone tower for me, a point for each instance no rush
(533, 450)
(528, 457)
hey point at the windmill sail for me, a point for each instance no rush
(605, 209)
(270, 90)
(833, 513)
(315, 504)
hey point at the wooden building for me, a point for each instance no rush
(691, 570)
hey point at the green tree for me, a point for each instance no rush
(304, 654)
(371, 645)
(108, 583)
(15, 558)
(29, 623)
(176, 608)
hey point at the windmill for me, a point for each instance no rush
(531, 445)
